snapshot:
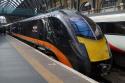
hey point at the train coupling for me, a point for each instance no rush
(105, 68)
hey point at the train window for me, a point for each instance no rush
(59, 30)
(90, 22)
(95, 28)
(113, 28)
(86, 28)
(41, 29)
(19, 28)
(81, 27)
(59, 27)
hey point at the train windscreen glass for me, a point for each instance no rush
(96, 29)
(83, 28)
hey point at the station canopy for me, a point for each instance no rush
(22, 7)
(11, 4)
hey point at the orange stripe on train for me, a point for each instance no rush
(62, 58)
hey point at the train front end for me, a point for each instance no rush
(91, 38)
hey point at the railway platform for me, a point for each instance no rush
(20, 63)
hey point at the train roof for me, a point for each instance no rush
(62, 11)
(54, 14)
(109, 18)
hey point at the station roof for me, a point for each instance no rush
(15, 10)
(21, 7)
(10, 3)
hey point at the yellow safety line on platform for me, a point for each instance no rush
(45, 73)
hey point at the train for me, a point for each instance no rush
(69, 37)
(113, 26)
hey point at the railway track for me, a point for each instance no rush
(117, 75)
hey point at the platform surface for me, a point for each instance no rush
(20, 63)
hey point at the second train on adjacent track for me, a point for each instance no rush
(113, 26)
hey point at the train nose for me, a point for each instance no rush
(105, 68)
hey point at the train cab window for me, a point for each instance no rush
(81, 27)
(85, 28)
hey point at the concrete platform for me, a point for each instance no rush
(20, 63)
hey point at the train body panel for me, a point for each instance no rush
(72, 37)
(116, 42)
(120, 17)
(113, 26)
(97, 49)
(59, 54)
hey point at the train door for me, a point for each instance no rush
(59, 33)
(49, 32)
(63, 40)
(41, 29)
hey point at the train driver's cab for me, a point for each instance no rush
(84, 27)
(89, 35)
